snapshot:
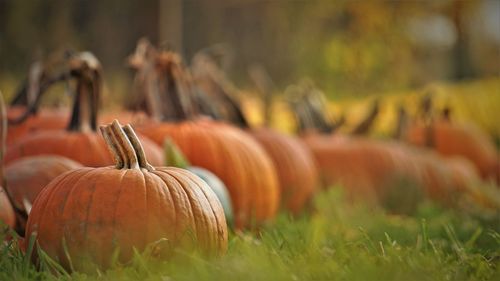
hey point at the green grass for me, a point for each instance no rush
(338, 241)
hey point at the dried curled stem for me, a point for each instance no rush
(125, 147)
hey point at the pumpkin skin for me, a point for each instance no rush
(44, 120)
(295, 166)
(233, 156)
(464, 140)
(87, 148)
(7, 215)
(175, 158)
(368, 169)
(95, 211)
(26, 177)
(464, 173)
(218, 188)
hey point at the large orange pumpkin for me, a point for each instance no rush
(231, 154)
(79, 142)
(91, 214)
(238, 160)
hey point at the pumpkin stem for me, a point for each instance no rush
(32, 107)
(129, 154)
(402, 124)
(139, 150)
(146, 89)
(173, 155)
(207, 71)
(112, 147)
(125, 146)
(366, 124)
(176, 83)
(265, 86)
(86, 68)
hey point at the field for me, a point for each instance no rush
(336, 241)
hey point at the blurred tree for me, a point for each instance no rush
(347, 47)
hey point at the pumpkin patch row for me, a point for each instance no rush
(196, 165)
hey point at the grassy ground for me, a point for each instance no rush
(338, 241)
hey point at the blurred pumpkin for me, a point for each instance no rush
(295, 167)
(228, 152)
(147, 204)
(451, 139)
(79, 142)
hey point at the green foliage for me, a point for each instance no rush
(338, 241)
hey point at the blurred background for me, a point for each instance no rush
(350, 49)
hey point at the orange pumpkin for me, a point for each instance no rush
(295, 167)
(91, 214)
(228, 152)
(465, 140)
(233, 156)
(297, 173)
(368, 168)
(79, 142)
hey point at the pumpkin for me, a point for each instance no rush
(465, 140)
(175, 158)
(238, 160)
(295, 167)
(228, 152)
(91, 214)
(297, 173)
(79, 142)
(464, 173)
(26, 177)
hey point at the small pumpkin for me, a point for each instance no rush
(175, 158)
(91, 214)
